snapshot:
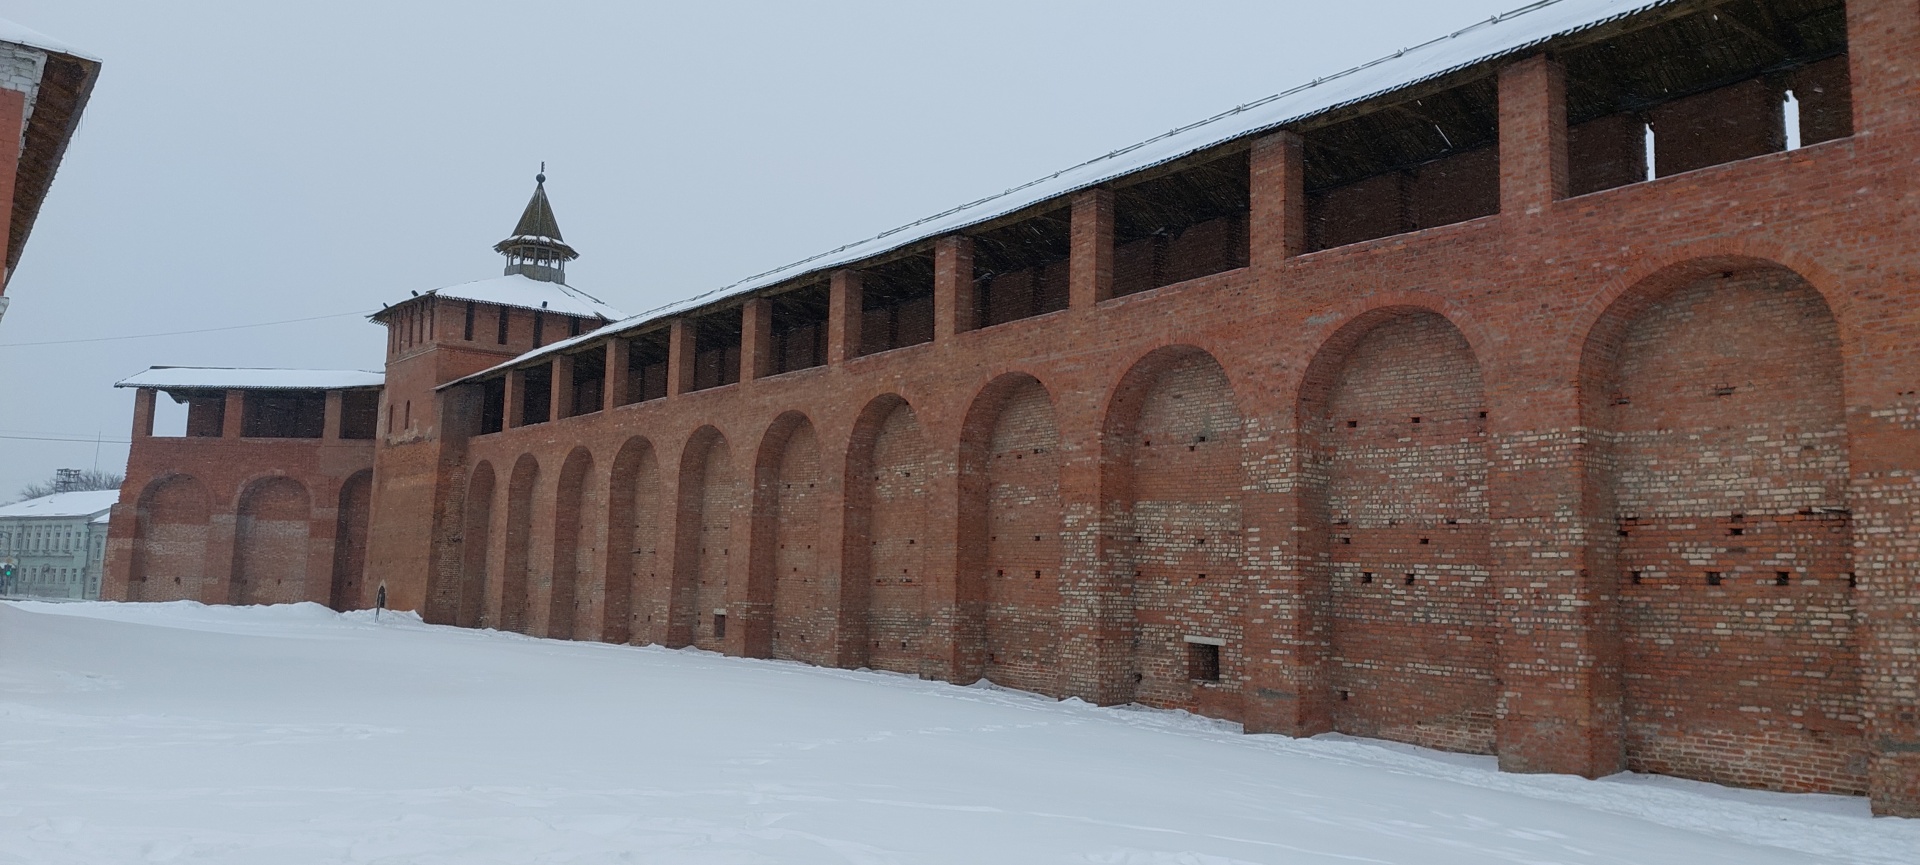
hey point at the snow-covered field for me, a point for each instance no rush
(183, 733)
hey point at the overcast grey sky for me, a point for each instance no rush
(256, 161)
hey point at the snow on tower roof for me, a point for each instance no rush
(1500, 36)
(231, 378)
(519, 290)
(80, 504)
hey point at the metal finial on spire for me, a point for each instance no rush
(542, 176)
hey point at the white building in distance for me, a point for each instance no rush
(53, 546)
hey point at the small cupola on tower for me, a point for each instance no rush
(535, 250)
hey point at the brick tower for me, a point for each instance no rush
(437, 336)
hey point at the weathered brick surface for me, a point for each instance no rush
(1651, 359)
(1404, 440)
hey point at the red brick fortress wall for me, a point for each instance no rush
(1617, 480)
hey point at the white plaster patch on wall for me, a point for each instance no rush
(20, 70)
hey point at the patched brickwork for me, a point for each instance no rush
(1406, 503)
(1022, 515)
(574, 604)
(469, 603)
(802, 606)
(639, 574)
(1726, 429)
(510, 599)
(355, 515)
(712, 488)
(1181, 532)
(170, 547)
(895, 541)
(270, 534)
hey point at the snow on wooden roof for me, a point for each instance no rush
(18, 35)
(228, 378)
(521, 291)
(81, 504)
(1500, 36)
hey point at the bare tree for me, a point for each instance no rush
(72, 480)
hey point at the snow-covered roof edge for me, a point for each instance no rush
(80, 503)
(18, 35)
(251, 378)
(1500, 36)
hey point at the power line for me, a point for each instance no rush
(183, 332)
(85, 441)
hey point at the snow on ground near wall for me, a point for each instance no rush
(183, 733)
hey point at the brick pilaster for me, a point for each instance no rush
(1533, 135)
(1090, 270)
(843, 317)
(953, 304)
(1278, 200)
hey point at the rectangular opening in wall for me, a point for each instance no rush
(359, 414)
(798, 324)
(716, 349)
(169, 415)
(493, 405)
(719, 625)
(206, 411)
(1203, 658)
(896, 303)
(536, 398)
(1180, 226)
(284, 414)
(585, 392)
(1706, 88)
(502, 318)
(647, 366)
(1020, 270)
(1410, 166)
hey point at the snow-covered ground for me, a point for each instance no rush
(182, 733)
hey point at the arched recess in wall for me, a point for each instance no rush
(636, 586)
(354, 516)
(791, 611)
(1009, 584)
(1395, 452)
(170, 544)
(468, 603)
(1720, 458)
(1173, 487)
(517, 562)
(270, 531)
(710, 503)
(573, 604)
(886, 541)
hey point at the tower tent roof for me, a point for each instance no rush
(538, 227)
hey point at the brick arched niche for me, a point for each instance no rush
(1172, 486)
(270, 531)
(466, 604)
(789, 612)
(887, 489)
(171, 522)
(1008, 585)
(1394, 485)
(1720, 466)
(573, 602)
(710, 504)
(353, 518)
(516, 550)
(638, 591)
